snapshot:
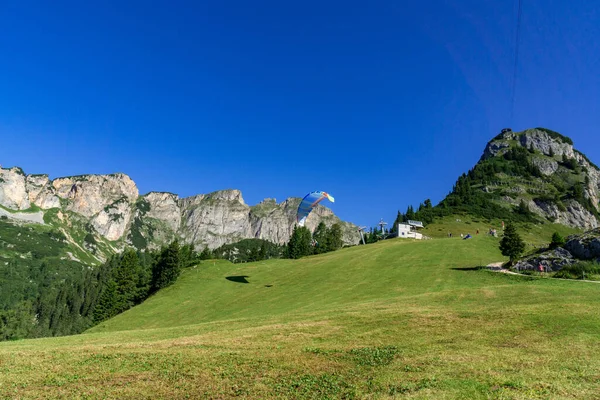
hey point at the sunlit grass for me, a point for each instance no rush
(397, 319)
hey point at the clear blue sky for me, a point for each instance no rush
(383, 104)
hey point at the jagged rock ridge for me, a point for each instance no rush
(110, 206)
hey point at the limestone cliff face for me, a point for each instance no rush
(222, 217)
(164, 207)
(275, 222)
(105, 199)
(88, 195)
(41, 192)
(112, 207)
(13, 189)
(215, 219)
(272, 221)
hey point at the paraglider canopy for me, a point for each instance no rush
(308, 203)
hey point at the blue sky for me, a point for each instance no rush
(381, 104)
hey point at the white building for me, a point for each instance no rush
(410, 230)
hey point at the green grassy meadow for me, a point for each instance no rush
(395, 319)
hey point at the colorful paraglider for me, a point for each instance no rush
(308, 203)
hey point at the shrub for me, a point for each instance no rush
(557, 240)
(579, 270)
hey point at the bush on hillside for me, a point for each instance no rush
(580, 270)
(557, 240)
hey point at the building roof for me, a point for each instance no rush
(416, 224)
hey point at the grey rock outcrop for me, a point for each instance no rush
(574, 213)
(552, 260)
(495, 148)
(546, 166)
(585, 246)
(545, 144)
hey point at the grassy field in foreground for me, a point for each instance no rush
(396, 319)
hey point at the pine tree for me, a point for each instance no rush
(206, 254)
(399, 219)
(410, 214)
(511, 245)
(167, 268)
(557, 240)
(334, 237)
(300, 243)
(105, 308)
(321, 237)
(262, 253)
(187, 255)
(144, 283)
(126, 277)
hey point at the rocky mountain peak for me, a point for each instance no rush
(546, 141)
(226, 195)
(542, 168)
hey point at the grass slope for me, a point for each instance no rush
(328, 282)
(396, 319)
(534, 234)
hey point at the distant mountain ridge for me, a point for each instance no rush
(109, 208)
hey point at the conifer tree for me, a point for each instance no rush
(167, 268)
(511, 245)
(300, 243)
(334, 237)
(105, 308)
(126, 276)
(557, 240)
(262, 253)
(321, 237)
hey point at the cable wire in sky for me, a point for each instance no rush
(514, 76)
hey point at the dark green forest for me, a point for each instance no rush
(43, 294)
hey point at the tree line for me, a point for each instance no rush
(322, 240)
(302, 243)
(56, 297)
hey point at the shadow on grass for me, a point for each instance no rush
(238, 279)
(468, 268)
